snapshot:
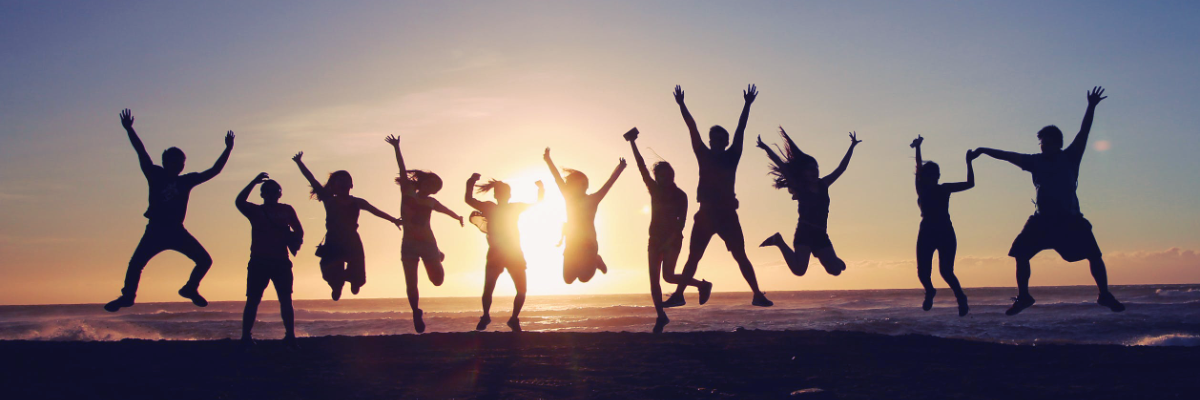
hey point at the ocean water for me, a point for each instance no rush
(1157, 315)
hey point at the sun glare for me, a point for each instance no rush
(541, 232)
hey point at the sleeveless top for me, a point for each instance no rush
(813, 206)
(934, 201)
(416, 220)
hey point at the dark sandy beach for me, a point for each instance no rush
(710, 365)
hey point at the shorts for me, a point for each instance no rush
(814, 237)
(720, 221)
(499, 260)
(262, 271)
(1071, 237)
(417, 249)
(672, 242)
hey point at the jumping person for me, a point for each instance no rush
(504, 243)
(341, 253)
(668, 215)
(937, 233)
(800, 175)
(718, 203)
(274, 232)
(168, 200)
(581, 258)
(416, 208)
(1057, 223)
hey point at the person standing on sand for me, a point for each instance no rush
(342, 256)
(668, 215)
(799, 173)
(581, 256)
(937, 233)
(1057, 223)
(274, 232)
(416, 208)
(169, 192)
(718, 203)
(499, 221)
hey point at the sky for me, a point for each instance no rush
(486, 87)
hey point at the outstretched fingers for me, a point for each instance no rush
(854, 138)
(678, 94)
(298, 156)
(392, 140)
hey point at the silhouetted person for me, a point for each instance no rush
(341, 253)
(419, 245)
(668, 215)
(800, 175)
(274, 232)
(168, 200)
(581, 255)
(1058, 223)
(499, 222)
(937, 233)
(718, 203)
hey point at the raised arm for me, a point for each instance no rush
(739, 135)
(312, 181)
(553, 170)
(220, 164)
(837, 173)
(143, 157)
(1014, 158)
(541, 191)
(970, 183)
(916, 144)
(405, 186)
(631, 136)
(697, 142)
(774, 157)
(611, 180)
(243, 198)
(1079, 144)
(365, 206)
(470, 196)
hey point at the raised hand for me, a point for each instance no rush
(621, 165)
(539, 184)
(631, 135)
(392, 140)
(546, 156)
(460, 221)
(296, 157)
(1095, 95)
(127, 119)
(228, 138)
(750, 93)
(854, 139)
(262, 177)
(972, 155)
(917, 142)
(678, 94)
(474, 177)
(760, 144)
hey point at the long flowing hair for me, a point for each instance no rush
(335, 176)
(490, 185)
(795, 164)
(418, 178)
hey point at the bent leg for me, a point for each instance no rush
(1023, 272)
(434, 269)
(797, 260)
(146, 249)
(946, 254)
(699, 242)
(925, 266)
(829, 259)
(190, 247)
(1100, 273)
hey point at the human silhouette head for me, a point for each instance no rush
(339, 183)
(1051, 139)
(718, 138)
(930, 173)
(664, 174)
(173, 160)
(576, 182)
(427, 183)
(270, 191)
(501, 190)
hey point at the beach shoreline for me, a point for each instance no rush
(745, 364)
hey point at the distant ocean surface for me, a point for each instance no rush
(1157, 315)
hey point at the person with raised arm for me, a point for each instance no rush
(718, 203)
(1057, 222)
(799, 173)
(498, 221)
(668, 215)
(419, 245)
(274, 232)
(581, 255)
(168, 198)
(937, 233)
(342, 257)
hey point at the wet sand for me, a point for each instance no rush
(706, 365)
